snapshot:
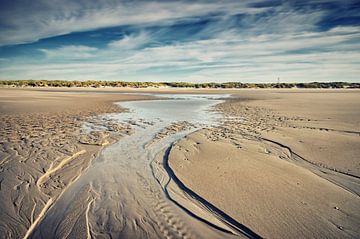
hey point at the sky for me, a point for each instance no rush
(189, 41)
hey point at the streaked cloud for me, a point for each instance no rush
(130, 41)
(29, 21)
(248, 41)
(75, 52)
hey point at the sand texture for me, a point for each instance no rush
(280, 164)
(284, 163)
(43, 150)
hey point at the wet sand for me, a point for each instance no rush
(281, 164)
(119, 195)
(284, 163)
(43, 150)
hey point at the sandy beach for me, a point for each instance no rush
(43, 149)
(280, 164)
(289, 168)
(179, 119)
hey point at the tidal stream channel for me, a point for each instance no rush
(125, 194)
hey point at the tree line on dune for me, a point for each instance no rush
(98, 84)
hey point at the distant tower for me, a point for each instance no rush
(278, 81)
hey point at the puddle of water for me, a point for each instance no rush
(191, 108)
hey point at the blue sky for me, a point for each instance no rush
(194, 41)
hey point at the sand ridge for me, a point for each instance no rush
(272, 168)
(131, 204)
(43, 149)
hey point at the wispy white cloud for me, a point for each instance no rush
(230, 58)
(258, 45)
(70, 52)
(129, 42)
(43, 19)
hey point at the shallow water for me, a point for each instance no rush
(118, 195)
(192, 108)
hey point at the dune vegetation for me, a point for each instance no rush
(98, 84)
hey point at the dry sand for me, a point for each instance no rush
(286, 163)
(283, 164)
(42, 149)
